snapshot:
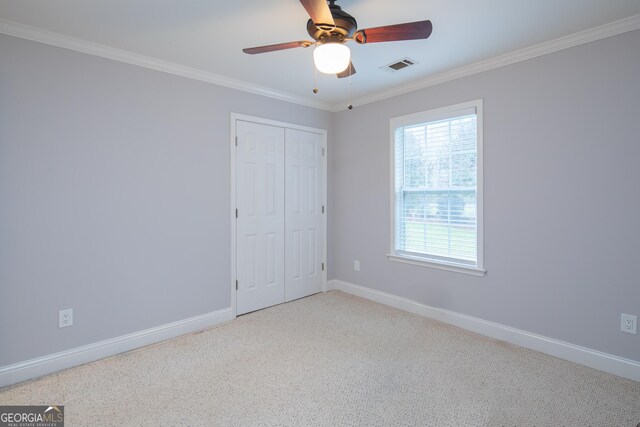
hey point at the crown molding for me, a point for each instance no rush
(603, 31)
(35, 34)
(55, 39)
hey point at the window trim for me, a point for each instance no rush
(429, 116)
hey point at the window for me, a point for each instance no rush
(437, 188)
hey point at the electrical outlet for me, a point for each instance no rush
(629, 323)
(65, 318)
(356, 265)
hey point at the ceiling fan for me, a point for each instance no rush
(331, 28)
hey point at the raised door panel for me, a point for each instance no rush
(261, 217)
(303, 213)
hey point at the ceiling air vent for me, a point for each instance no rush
(399, 65)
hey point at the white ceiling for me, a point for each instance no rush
(209, 34)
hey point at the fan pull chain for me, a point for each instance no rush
(315, 79)
(350, 106)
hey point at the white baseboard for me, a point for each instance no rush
(22, 371)
(622, 367)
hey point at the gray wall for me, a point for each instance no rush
(562, 196)
(114, 196)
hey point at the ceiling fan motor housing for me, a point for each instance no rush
(345, 26)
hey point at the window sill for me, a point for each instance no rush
(439, 265)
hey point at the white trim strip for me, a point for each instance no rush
(35, 34)
(612, 364)
(22, 371)
(438, 265)
(448, 112)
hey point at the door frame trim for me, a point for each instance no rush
(235, 117)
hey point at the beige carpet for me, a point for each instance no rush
(334, 359)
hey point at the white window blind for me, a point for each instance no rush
(436, 186)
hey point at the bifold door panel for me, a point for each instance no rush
(260, 224)
(303, 214)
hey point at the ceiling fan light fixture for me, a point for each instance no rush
(331, 58)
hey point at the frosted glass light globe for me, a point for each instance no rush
(331, 58)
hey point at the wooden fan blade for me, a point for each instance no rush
(274, 47)
(389, 33)
(319, 12)
(348, 72)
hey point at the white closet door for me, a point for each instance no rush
(260, 225)
(303, 213)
